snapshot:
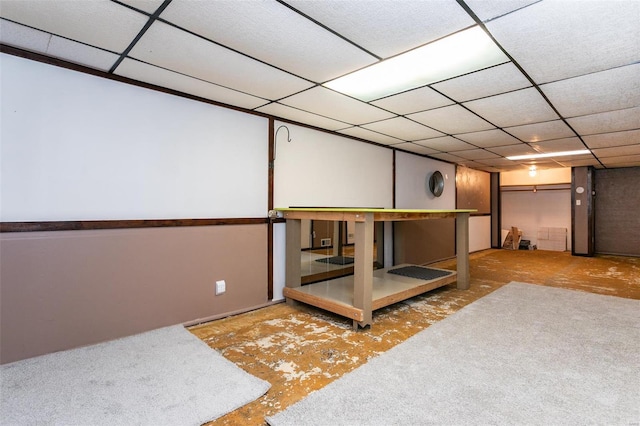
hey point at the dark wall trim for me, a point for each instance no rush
(271, 141)
(496, 211)
(84, 225)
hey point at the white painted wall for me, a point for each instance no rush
(412, 174)
(479, 233)
(530, 211)
(79, 147)
(317, 169)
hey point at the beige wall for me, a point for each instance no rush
(60, 290)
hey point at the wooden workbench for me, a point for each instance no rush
(366, 290)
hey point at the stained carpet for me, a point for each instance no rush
(525, 354)
(163, 377)
(302, 349)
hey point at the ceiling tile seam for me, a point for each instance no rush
(128, 6)
(616, 131)
(150, 21)
(325, 27)
(350, 97)
(312, 113)
(178, 27)
(510, 12)
(603, 112)
(590, 73)
(267, 101)
(57, 35)
(296, 93)
(497, 94)
(524, 73)
(381, 133)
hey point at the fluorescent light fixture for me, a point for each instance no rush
(548, 154)
(454, 55)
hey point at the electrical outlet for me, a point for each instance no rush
(221, 287)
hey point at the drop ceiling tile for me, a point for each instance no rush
(627, 150)
(487, 10)
(445, 144)
(322, 101)
(81, 53)
(38, 41)
(541, 131)
(573, 158)
(487, 169)
(488, 138)
(603, 91)
(415, 148)
(566, 144)
(23, 37)
(446, 157)
(578, 163)
(141, 71)
(606, 140)
(499, 162)
(623, 161)
(300, 116)
(471, 164)
(272, 33)
(103, 24)
(387, 28)
(371, 136)
(571, 38)
(514, 108)
(402, 128)
(148, 6)
(451, 119)
(413, 101)
(509, 150)
(492, 81)
(606, 122)
(476, 154)
(179, 51)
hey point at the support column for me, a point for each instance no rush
(292, 250)
(363, 271)
(462, 250)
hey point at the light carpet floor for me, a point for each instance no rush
(162, 377)
(524, 354)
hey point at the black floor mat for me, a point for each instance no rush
(337, 260)
(419, 272)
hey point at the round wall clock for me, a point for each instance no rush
(436, 183)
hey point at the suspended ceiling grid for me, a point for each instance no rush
(569, 77)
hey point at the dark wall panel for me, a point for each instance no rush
(473, 190)
(424, 241)
(617, 219)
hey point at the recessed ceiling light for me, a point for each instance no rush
(457, 54)
(548, 155)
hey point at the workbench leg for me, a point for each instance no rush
(363, 271)
(462, 250)
(292, 253)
